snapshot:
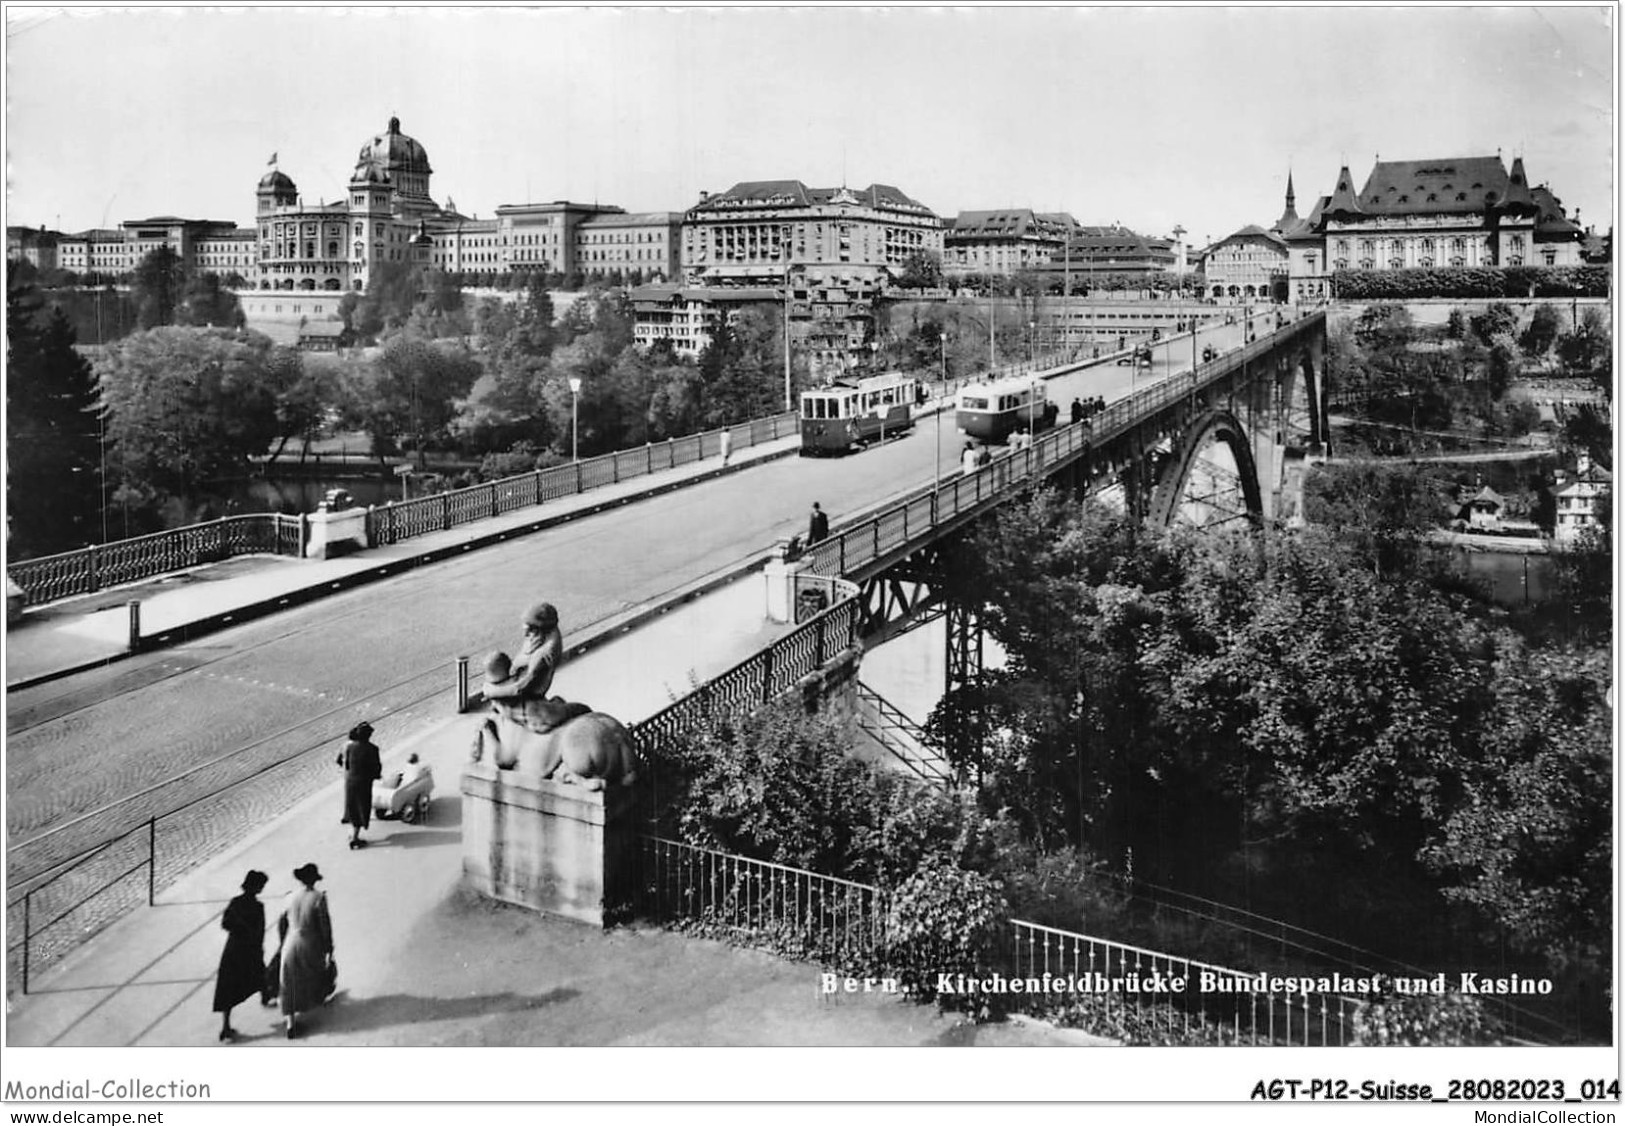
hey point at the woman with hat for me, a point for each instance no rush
(242, 962)
(306, 931)
(362, 765)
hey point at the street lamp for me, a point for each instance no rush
(1031, 325)
(575, 402)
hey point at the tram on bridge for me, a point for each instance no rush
(991, 412)
(849, 414)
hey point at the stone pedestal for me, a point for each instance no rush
(780, 574)
(335, 532)
(546, 845)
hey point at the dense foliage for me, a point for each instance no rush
(53, 448)
(1475, 281)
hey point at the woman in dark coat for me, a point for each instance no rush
(242, 963)
(306, 933)
(361, 766)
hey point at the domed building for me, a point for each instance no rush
(334, 247)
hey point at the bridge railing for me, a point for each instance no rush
(874, 537)
(400, 520)
(89, 569)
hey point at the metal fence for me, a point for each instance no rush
(843, 924)
(94, 568)
(1152, 991)
(400, 520)
(759, 678)
(819, 917)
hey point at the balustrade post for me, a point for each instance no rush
(648, 457)
(767, 674)
(615, 469)
(671, 454)
(462, 685)
(538, 476)
(304, 531)
(445, 512)
(95, 567)
(493, 487)
(390, 508)
(135, 624)
(578, 477)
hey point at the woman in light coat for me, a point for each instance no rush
(306, 931)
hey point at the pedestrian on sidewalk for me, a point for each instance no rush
(362, 765)
(727, 444)
(242, 962)
(305, 930)
(817, 525)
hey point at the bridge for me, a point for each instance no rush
(1205, 443)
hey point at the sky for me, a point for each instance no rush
(1151, 116)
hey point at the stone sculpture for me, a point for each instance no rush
(530, 733)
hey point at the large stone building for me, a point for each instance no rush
(1422, 214)
(687, 316)
(1003, 242)
(200, 244)
(34, 245)
(1250, 265)
(836, 250)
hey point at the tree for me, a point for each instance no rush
(1497, 319)
(304, 393)
(409, 392)
(1541, 333)
(921, 270)
(158, 286)
(393, 290)
(1381, 511)
(53, 480)
(206, 303)
(185, 407)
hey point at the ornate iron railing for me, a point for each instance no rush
(400, 520)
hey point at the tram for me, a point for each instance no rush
(849, 414)
(991, 412)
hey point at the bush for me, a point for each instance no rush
(1423, 1020)
(1472, 282)
(944, 919)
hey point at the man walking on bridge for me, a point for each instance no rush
(817, 525)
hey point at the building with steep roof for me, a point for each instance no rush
(1425, 214)
(837, 250)
(1113, 250)
(687, 316)
(1004, 241)
(1249, 265)
(1581, 498)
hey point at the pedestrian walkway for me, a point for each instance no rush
(424, 962)
(64, 637)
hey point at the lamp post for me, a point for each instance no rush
(942, 339)
(1031, 325)
(788, 402)
(575, 430)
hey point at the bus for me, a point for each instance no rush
(849, 414)
(991, 412)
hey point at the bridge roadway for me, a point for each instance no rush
(299, 679)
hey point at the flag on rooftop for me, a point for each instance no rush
(272, 160)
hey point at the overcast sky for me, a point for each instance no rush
(1150, 116)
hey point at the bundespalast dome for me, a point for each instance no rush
(394, 152)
